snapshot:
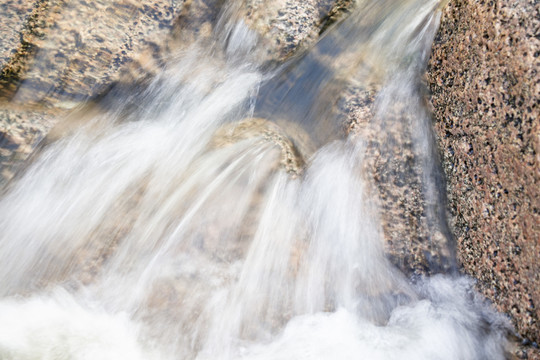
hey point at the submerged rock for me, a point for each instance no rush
(20, 132)
(114, 47)
(484, 80)
(69, 50)
(15, 16)
(55, 54)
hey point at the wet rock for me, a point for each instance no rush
(23, 23)
(293, 154)
(56, 53)
(13, 14)
(285, 27)
(412, 242)
(21, 130)
(288, 26)
(399, 163)
(70, 49)
(483, 75)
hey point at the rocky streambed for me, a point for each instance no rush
(56, 56)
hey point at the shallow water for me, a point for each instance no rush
(181, 230)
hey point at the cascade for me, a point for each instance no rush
(232, 215)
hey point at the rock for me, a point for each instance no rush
(12, 14)
(24, 22)
(56, 53)
(483, 75)
(21, 130)
(293, 155)
(287, 26)
(69, 50)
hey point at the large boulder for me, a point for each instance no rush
(56, 53)
(483, 75)
(70, 49)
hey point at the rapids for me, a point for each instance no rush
(169, 231)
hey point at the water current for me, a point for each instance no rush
(228, 215)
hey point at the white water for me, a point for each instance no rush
(140, 238)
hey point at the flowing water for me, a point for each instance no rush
(228, 215)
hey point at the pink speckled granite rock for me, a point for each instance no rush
(485, 86)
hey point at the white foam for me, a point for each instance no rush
(59, 328)
(447, 327)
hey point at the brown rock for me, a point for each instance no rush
(69, 49)
(12, 21)
(287, 25)
(57, 53)
(485, 86)
(21, 130)
(23, 22)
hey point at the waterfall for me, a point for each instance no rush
(222, 212)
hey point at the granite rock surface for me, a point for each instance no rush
(485, 85)
(68, 50)
(56, 54)
(13, 15)
(483, 76)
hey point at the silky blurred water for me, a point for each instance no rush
(172, 232)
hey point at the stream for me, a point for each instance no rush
(226, 211)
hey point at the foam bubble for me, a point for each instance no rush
(59, 328)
